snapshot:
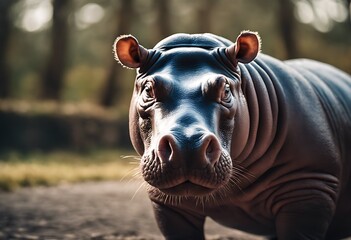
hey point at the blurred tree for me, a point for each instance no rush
(348, 4)
(164, 20)
(52, 80)
(5, 28)
(110, 89)
(287, 27)
(204, 16)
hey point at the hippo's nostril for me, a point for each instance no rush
(166, 150)
(211, 149)
(198, 153)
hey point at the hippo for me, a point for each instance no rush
(227, 132)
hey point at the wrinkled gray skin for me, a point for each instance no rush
(257, 144)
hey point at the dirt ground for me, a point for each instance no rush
(104, 210)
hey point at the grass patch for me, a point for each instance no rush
(47, 169)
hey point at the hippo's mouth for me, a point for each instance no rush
(186, 181)
(187, 188)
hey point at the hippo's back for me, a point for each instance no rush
(333, 88)
(325, 93)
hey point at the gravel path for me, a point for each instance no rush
(104, 210)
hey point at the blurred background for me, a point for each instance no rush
(64, 100)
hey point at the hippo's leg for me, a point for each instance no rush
(305, 219)
(178, 224)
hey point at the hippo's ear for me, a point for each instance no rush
(128, 52)
(246, 47)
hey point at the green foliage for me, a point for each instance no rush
(83, 83)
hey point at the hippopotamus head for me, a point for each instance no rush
(185, 106)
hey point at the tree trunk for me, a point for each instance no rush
(111, 89)
(52, 81)
(204, 16)
(164, 21)
(5, 29)
(348, 4)
(287, 27)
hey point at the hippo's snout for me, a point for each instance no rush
(196, 152)
(187, 164)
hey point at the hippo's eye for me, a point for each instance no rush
(227, 94)
(148, 93)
